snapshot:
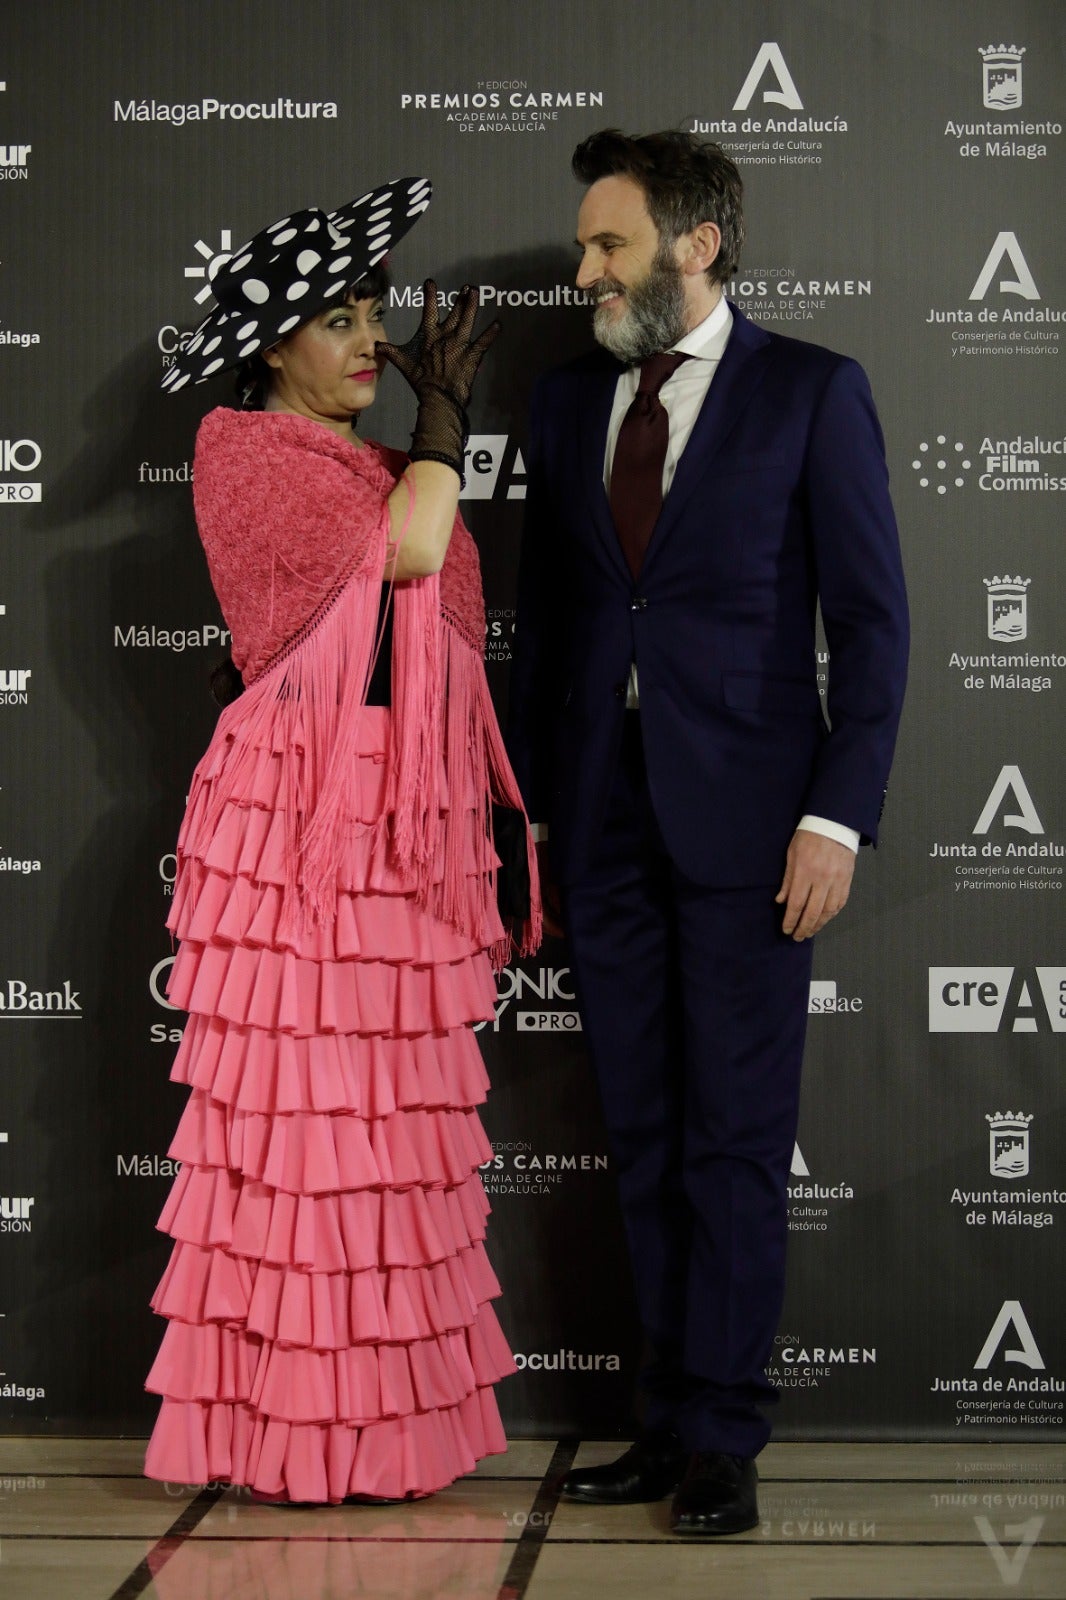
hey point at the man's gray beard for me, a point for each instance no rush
(654, 315)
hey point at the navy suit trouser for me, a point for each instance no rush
(694, 1006)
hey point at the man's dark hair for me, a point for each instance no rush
(685, 182)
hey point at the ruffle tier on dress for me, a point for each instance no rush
(330, 1331)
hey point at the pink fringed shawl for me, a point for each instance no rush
(295, 524)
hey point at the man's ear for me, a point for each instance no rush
(700, 248)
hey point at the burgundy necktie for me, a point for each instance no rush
(636, 492)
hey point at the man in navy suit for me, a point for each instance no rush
(703, 820)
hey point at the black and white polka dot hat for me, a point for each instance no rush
(290, 270)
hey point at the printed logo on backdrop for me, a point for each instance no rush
(799, 1363)
(16, 1211)
(169, 1033)
(564, 1360)
(9, 336)
(812, 1202)
(997, 1000)
(15, 686)
(14, 162)
(1008, 1139)
(1008, 608)
(208, 109)
(136, 1164)
(769, 64)
(19, 1001)
(991, 322)
(769, 124)
(148, 636)
(500, 105)
(1005, 257)
(994, 1393)
(1025, 464)
(15, 169)
(13, 1385)
(157, 984)
(1006, 621)
(171, 340)
(781, 294)
(214, 261)
(823, 1000)
(537, 1000)
(516, 1167)
(1004, 138)
(499, 633)
(151, 474)
(1008, 1160)
(14, 691)
(24, 864)
(494, 468)
(18, 458)
(494, 297)
(993, 858)
(1002, 77)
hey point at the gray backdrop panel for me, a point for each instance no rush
(887, 217)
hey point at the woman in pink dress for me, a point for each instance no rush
(330, 1331)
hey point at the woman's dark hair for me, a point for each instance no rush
(252, 387)
(226, 681)
(685, 182)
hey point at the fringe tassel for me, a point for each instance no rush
(339, 674)
(306, 704)
(445, 745)
(503, 787)
(462, 764)
(412, 806)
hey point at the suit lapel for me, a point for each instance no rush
(740, 371)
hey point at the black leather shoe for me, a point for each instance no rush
(650, 1469)
(716, 1495)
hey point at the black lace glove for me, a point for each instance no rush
(440, 363)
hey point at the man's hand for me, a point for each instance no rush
(550, 898)
(816, 884)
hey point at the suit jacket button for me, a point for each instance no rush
(639, 604)
(619, 691)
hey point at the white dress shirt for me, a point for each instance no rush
(682, 396)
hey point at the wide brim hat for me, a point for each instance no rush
(289, 271)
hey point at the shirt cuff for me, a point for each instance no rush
(831, 830)
(539, 832)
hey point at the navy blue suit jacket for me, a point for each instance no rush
(779, 503)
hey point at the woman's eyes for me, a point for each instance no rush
(343, 319)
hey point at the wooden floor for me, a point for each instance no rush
(896, 1522)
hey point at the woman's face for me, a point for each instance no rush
(329, 368)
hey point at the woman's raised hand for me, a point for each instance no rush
(440, 362)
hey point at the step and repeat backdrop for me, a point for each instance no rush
(904, 166)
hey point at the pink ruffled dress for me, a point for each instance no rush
(330, 1331)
